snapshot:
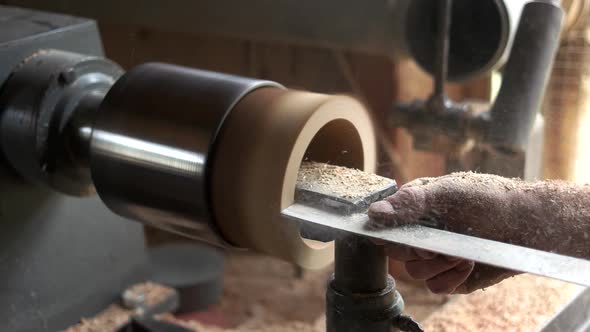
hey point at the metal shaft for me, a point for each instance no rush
(44, 103)
(362, 295)
(442, 47)
(360, 265)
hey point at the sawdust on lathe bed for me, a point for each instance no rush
(263, 294)
(146, 294)
(519, 304)
(110, 320)
(339, 181)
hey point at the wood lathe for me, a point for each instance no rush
(210, 156)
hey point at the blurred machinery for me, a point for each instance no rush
(161, 143)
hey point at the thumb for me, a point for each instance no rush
(406, 206)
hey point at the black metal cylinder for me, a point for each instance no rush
(360, 266)
(361, 296)
(152, 141)
(525, 76)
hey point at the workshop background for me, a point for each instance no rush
(265, 294)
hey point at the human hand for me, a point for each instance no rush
(467, 203)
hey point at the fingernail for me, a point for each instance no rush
(452, 258)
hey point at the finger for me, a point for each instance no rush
(403, 253)
(381, 212)
(405, 206)
(426, 269)
(407, 197)
(484, 276)
(449, 281)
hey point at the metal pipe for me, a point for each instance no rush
(525, 77)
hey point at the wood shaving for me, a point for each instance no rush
(111, 319)
(146, 294)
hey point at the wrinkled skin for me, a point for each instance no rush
(545, 215)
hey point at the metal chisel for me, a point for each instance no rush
(323, 213)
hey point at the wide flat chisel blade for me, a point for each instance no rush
(325, 208)
(489, 252)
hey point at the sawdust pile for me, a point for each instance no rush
(260, 291)
(284, 327)
(269, 297)
(520, 304)
(111, 319)
(116, 315)
(266, 295)
(342, 181)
